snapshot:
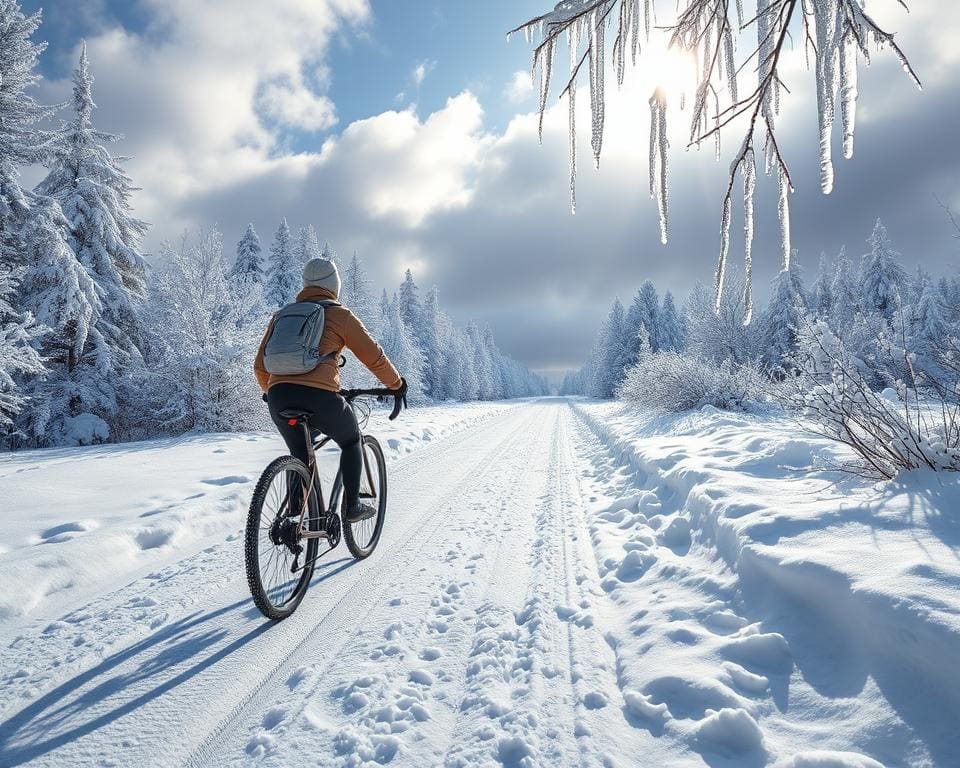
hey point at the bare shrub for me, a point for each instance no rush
(678, 381)
(913, 424)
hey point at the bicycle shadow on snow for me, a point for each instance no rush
(174, 654)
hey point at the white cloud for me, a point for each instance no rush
(289, 102)
(204, 102)
(520, 88)
(204, 95)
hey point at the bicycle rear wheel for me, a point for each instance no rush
(273, 545)
(362, 537)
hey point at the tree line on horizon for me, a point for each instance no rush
(868, 305)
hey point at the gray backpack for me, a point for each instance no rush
(294, 344)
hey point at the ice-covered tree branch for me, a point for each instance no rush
(836, 34)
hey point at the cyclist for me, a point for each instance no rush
(317, 391)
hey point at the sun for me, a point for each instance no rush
(670, 69)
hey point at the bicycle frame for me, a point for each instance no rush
(336, 492)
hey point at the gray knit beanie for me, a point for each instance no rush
(322, 273)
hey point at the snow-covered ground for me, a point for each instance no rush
(559, 583)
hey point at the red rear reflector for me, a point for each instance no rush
(292, 422)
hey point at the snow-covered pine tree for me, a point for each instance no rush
(21, 143)
(249, 263)
(573, 383)
(929, 329)
(356, 293)
(433, 351)
(285, 272)
(399, 345)
(307, 246)
(725, 335)
(327, 251)
(821, 294)
(449, 380)
(671, 326)
(783, 318)
(644, 312)
(612, 354)
(949, 290)
(201, 343)
(482, 364)
(881, 275)
(497, 362)
(461, 358)
(18, 357)
(410, 307)
(844, 296)
(94, 193)
(55, 288)
(66, 404)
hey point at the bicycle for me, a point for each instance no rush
(287, 516)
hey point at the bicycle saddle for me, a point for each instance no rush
(295, 413)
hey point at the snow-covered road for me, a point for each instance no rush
(522, 609)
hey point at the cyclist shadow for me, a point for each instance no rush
(169, 657)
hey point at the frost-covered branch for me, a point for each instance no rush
(837, 33)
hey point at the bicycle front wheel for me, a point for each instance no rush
(362, 537)
(279, 561)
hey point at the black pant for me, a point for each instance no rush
(332, 416)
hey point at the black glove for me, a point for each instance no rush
(264, 397)
(403, 387)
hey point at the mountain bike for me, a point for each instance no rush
(289, 527)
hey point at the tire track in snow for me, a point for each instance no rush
(400, 708)
(342, 619)
(45, 733)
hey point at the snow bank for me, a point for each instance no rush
(800, 595)
(78, 520)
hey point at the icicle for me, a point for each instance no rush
(825, 24)
(740, 13)
(729, 65)
(634, 30)
(596, 84)
(783, 211)
(724, 250)
(573, 42)
(848, 92)
(620, 41)
(766, 33)
(647, 9)
(749, 186)
(546, 70)
(659, 147)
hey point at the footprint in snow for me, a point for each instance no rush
(228, 480)
(66, 531)
(431, 654)
(731, 732)
(768, 651)
(594, 700)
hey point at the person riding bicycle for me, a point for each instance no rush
(317, 390)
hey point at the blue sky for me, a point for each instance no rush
(242, 110)
(460, 44)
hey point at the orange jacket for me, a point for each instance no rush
(341, 329)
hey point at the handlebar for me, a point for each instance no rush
(381, 393)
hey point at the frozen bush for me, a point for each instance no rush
(679, 381)
(915, 424)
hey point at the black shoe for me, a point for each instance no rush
(360, 511)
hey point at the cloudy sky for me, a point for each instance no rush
(405, 131)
